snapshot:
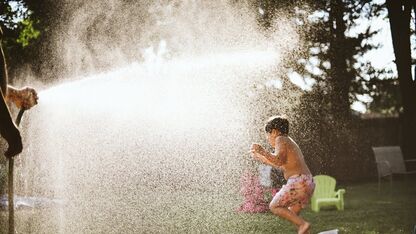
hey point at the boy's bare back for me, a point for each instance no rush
(293, 162)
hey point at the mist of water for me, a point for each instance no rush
(156, 145)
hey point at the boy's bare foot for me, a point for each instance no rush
(304, 228)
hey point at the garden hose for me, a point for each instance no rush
(10, 182)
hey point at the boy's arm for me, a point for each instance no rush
(264, 160)
(279, 158)
(273, 160)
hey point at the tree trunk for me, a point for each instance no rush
(339, 78)
(399, 13)
(339, 138)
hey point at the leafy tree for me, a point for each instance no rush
(17, 22)
(20, 32)
(329, 56)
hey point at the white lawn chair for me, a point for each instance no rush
(390, 161)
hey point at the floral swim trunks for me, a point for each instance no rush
(297, 190)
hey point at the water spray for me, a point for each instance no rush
(10, 181)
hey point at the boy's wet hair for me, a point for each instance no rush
(277, 122)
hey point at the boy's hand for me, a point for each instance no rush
(257, 148)
(258, 157)
(13, 138)
(258, 152)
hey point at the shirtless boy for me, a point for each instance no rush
(288, 157)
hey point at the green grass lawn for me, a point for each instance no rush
(393, 210)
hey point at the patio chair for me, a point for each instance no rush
(389, 160)
(325, 194)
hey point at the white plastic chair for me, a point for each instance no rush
(389, 160)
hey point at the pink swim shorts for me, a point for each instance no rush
(298, 190)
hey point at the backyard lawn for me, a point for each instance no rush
(393, 210)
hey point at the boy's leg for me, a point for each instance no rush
(287, 214)
(282, 203)
(296, 208)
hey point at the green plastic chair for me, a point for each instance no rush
(325, 194)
